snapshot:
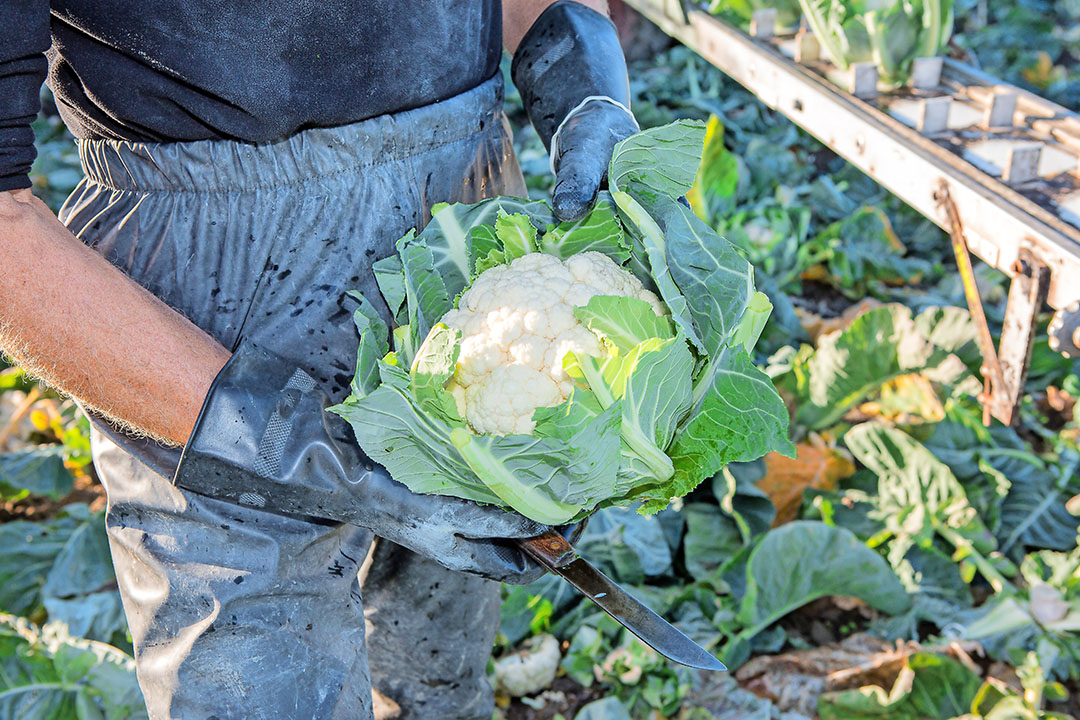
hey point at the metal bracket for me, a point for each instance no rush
(1027, 295)
(1004, 369)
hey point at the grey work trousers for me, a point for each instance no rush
(238, 613)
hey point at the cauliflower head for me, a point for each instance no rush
(517, 323)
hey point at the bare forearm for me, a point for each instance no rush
(519, 15)
(81, 325)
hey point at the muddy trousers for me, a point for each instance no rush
(238, 613)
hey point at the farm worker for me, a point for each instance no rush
(245, 164)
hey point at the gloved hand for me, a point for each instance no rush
(263, 439)
(571, 73)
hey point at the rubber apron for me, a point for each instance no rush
(236, 612)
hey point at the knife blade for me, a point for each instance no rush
(556, 555)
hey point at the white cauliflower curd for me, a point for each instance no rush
(517, 322)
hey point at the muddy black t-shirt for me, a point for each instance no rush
(252, 70)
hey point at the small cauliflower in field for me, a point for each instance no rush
(517, 323)
(529, 670)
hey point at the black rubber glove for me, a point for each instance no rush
(572, 77)
(264, 439)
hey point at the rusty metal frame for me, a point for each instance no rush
(1005, 372)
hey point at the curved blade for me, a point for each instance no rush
(654, 631)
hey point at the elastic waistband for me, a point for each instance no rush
(214, 166)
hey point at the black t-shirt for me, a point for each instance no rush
(251, 70)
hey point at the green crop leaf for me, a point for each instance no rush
(38, 471)
(891, 33)
(1033, 513)
(549, 481)
(46, 674)
(626, 545)
(712, 539)
(62, 565)
(427, 296)
(390, 277)
(650, 236)
(918, 498)
(802, 561)
(447, 235)
(396, 433)
(736, 417)
(930, 686)
(373, 345)
(880, 345)
(649, 417)
(717, 282)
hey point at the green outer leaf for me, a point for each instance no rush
(373, 345)
(608, 378)
(626, 322)
(753, 322)
(564, 421)
(661, 160)
(599, 231)
(516, 233)
(390, 276)
(804, 560)
(432, 368)
(447, 235)
(428, 298)
(653, 239)
(716, 281)
(658, 392)
(412, 445)
(550, 481)
(483, 243)
(482, 454)
(738, 416)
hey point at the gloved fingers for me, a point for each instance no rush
(582, 153)
(510, 565)
(577, 183)
(500, 561)
(572, 533)
(486, 522)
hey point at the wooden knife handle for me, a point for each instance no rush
(550, 549)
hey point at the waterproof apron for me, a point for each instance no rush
(238, 613)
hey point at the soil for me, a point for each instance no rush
(565, 697)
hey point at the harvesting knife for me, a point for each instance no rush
(555, 554)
